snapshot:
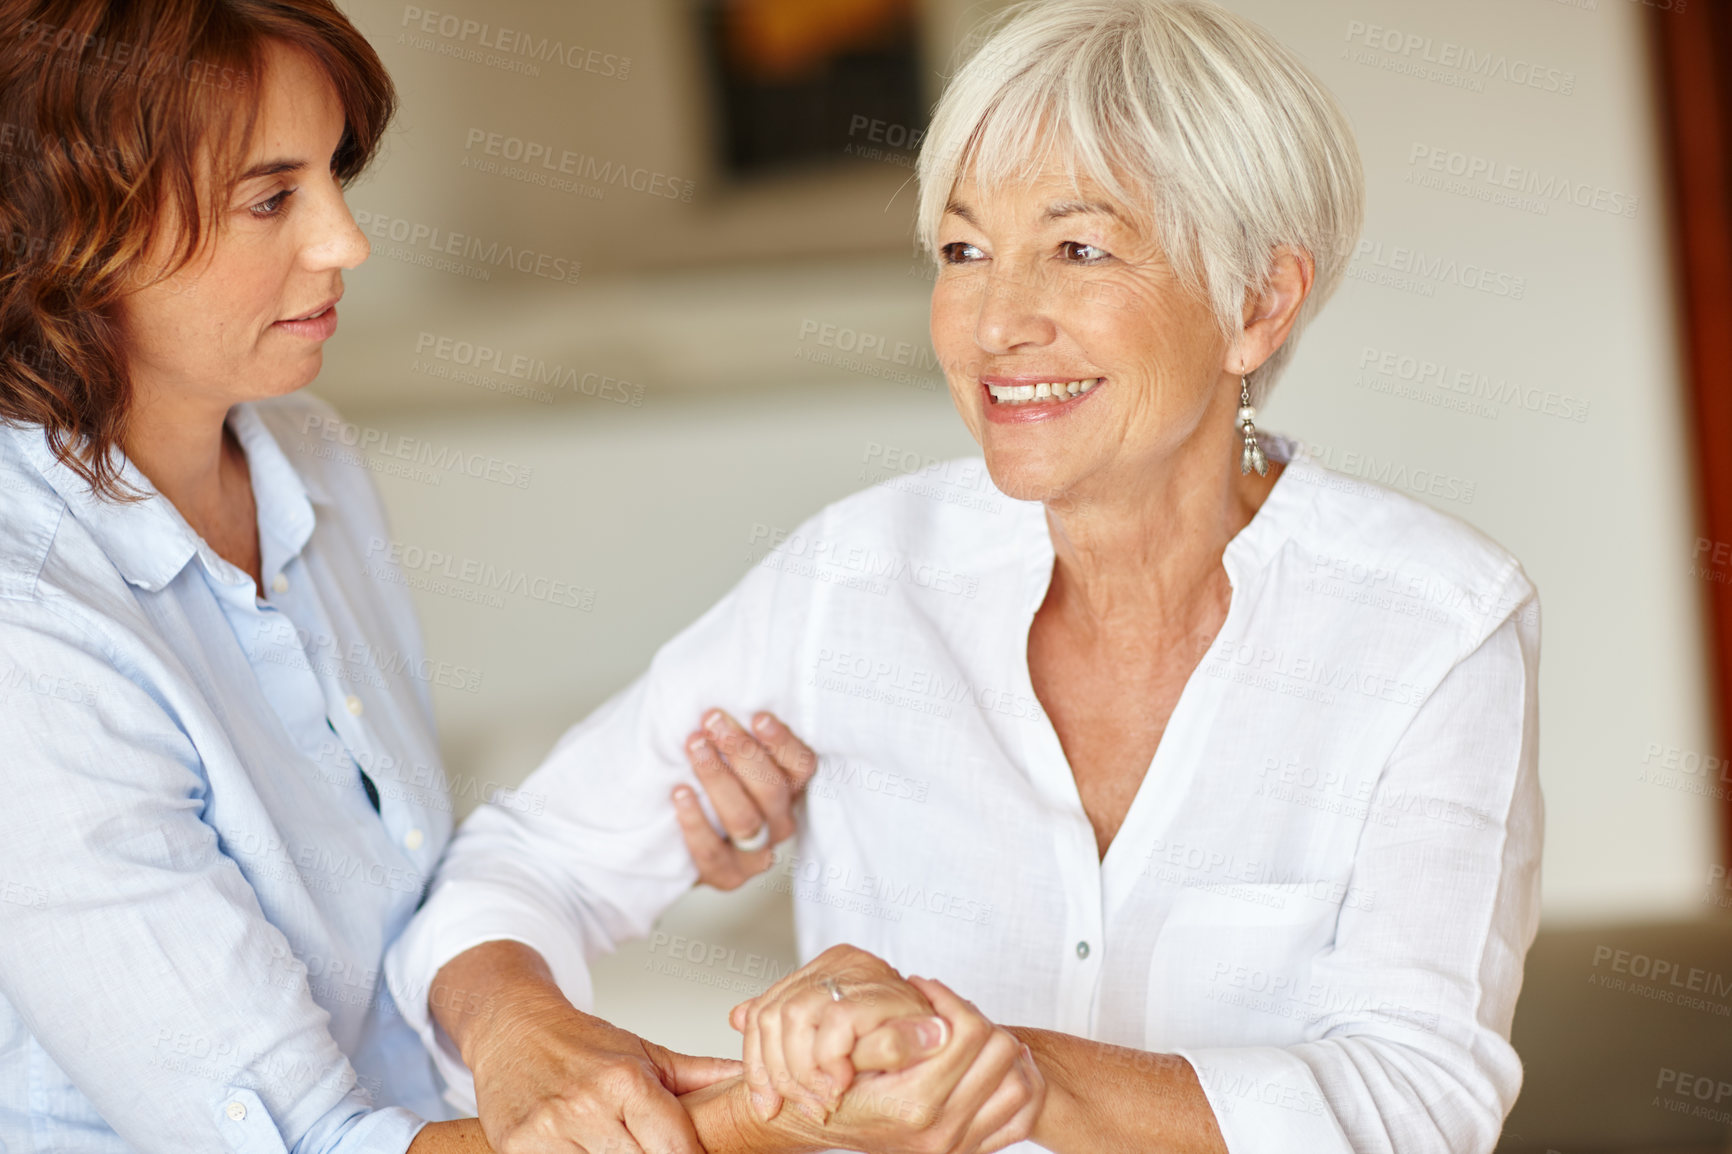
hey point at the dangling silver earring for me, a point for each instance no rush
(1252, 457)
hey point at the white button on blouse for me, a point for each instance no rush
(1321, 895)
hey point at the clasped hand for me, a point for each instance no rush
(847, 1053)
(843, 1053)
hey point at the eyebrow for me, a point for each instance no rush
(273, 168)
(957, 208)
(1055, 211)
(1066, 208)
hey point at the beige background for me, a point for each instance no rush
(706, 315)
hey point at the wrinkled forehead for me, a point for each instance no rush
(1045, 172)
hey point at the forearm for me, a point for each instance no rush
(477, 991)
(726, 1124)
(461, 1137)
(1105, 1099)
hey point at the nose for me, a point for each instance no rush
(1013, 315)
(334, 240)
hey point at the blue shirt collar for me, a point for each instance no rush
(148, 540)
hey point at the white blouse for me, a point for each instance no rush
(1321, 895)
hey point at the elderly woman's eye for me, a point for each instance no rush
(960, 252)
(1083, 253)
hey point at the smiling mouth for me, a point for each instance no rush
(1045, 392)
(314, 315)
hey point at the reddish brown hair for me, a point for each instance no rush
(122, 124)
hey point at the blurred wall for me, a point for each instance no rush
(663, 379)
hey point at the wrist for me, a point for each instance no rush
(1060, 1103)
(723, 1116)
(482, 997)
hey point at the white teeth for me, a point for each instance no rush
(1044, 391)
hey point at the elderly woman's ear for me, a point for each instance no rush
(1272, 311)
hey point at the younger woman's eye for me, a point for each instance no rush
(960, 252)
(1083, 253)
(273, 206)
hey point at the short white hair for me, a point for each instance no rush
(1194, 120)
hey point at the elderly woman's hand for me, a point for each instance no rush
(801, 1032)
(753, 780)
(979, 1092)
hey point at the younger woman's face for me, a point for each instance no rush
(249, 316)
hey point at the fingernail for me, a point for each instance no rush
(682, 795)
(713, 720)
(696, 742)
(932, 1033)
(764, 723)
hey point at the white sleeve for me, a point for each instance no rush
(1410, 1052)
(588, 852)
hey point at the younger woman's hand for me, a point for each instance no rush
(752, 780)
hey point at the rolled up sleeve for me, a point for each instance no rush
(588, 853)
(1409, 1051)
(143, 963)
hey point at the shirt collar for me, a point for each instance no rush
(148, 540)
(284, 498)
(1289, 504)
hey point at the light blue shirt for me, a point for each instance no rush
(195, 892)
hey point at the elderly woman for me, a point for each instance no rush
(212, 729)
(1245, 858)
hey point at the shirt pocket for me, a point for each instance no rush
(1232, 964)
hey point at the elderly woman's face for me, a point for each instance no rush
(249, 316)
(1045, 289)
